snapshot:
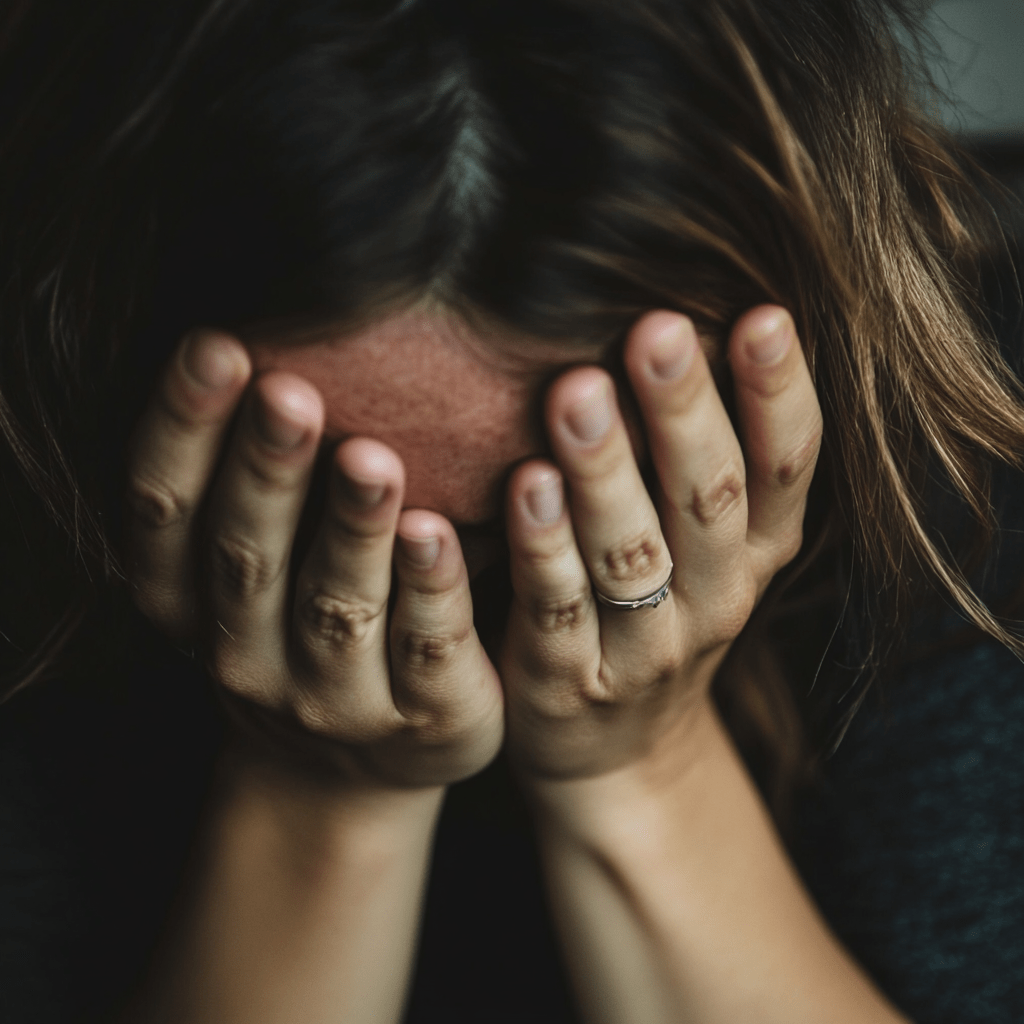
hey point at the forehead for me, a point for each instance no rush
(459, 404)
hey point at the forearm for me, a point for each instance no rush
(676, 901)
(304, 905)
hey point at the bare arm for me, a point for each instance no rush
(673, 896)
(676, 901)
(348, 720)
(304, 906)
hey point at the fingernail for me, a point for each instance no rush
(771, 341)
(422, 552)
(276, 429)
(672, 351)
(590, 418)
(362, 495)
(544, 500)
(211, 361)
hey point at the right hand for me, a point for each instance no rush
(210, 524)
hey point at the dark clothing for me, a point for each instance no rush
(914, 846)
(100, 792)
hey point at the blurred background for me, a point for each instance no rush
(982, 66)
(979, 64)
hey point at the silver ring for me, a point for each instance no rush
(650, 601)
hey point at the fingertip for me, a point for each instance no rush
(287, 411)
(579, 385)
(370, 463)
(536, 495)
(761, 338)
(541, 538)
(293, 397)
(420, 552)
(427, 542)
(204, 381)
(417, 523)
(214, 360)
(661, 347)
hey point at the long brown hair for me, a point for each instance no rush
(559, 167)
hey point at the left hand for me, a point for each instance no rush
(590, 689)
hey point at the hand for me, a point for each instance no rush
(211, 523)
(590, 689)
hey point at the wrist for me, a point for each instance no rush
(271, 744)
(587, 810)
(303, 800)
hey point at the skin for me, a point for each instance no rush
(671, 892)
(456, 441)
(455, 406)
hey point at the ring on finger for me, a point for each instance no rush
(651, 600)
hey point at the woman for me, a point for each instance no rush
(410, 219)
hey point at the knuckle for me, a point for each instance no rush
(561, 615)
(154, 504)
(337, 620)
(420, 651)
(631, 562)
(240, 566)
(708, 504)
(797, 466)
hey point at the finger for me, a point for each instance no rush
(254, 512)
(614, 519)
(554, 628)
(695, 451)
(781, 426)
(341, 594)
(441, 680)
(170, 464)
